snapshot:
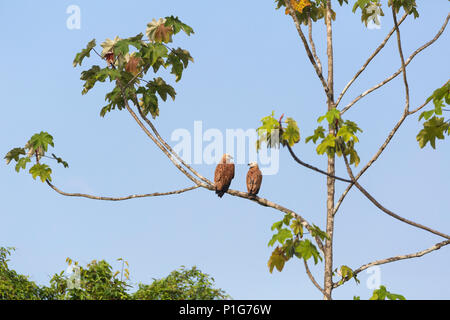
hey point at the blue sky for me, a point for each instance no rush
(248, 61)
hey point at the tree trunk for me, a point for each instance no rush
(328, 272)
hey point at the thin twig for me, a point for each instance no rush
(389, 212)
(377, 50)
(294, 156)
(400, 51)
(134, 196)
(382, 83)
(437, 246)
(311, 277)
(308, 51)
(374, 158)
(313, 46)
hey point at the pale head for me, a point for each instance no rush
(253, 164)
(227, 158)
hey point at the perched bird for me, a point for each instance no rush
(254, 179)
(224, 174)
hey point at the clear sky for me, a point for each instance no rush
(249, 61)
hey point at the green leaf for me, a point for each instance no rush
(41, 170)
(319, 133)
(326, 144)
(269, 132)
(149, 103)
(162, 88)
(281, 236)
(22, 163)
(317, 232)
(60, 160)
(177, 25)
(291, 134)
(382, 294)
(42, 139)
(287, 219)
(331, 115)
(14, 154)
(432, 129)
(277, 260)
(277, 225)
(84, 53)
(297, 228)
(306, 249)
(177, 65)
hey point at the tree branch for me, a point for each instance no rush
(308, 51)
(314, 280)
(294, 156)
(167, 146)
(392, 214)
(377, 50)
(313, 46)
(382, 83)
(134, 196)
(374, 158)
(437, 246)
(400, 51)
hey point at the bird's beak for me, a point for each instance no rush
(248, 164)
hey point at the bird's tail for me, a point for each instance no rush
(220, 193)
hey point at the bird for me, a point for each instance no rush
(224, 174)
(254, 179)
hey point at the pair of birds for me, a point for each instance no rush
(225, 173)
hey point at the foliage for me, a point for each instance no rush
(382, 294)
(289, 234)
(435, 127)
(127, 68)
(33, 151)
(304, 9)
(14, 286)
(181, 284)
(98, 281)
(272, 133)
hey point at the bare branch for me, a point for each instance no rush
(400, 51)
(382, 83)
(314, 280)
(148, 133)
(294, 156)
(377, 50)
(389, 212)
(167, 146)
(419, 108)
(313, 46)
(308, 51)
(374, 158)
(134, 196)
(437, 246)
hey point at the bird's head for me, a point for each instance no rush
(227, 158)
(253, 164)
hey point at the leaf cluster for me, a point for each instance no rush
(128, 60)
(33, 151)
(289, 236)
(98, 281)
(340, 143)
(273, 132)
(435, 127)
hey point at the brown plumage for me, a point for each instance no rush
(254, 179)
(223, 175)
